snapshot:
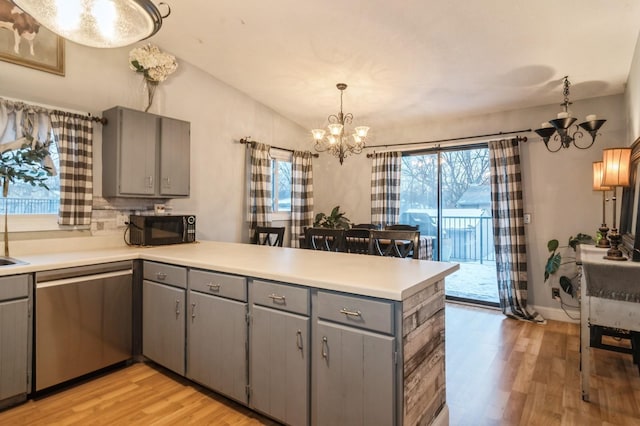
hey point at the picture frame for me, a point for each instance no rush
(23, 41)
(630, 208)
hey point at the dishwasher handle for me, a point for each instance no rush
(84, 278)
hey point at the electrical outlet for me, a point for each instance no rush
(555, 293)
(527, 218)
(121, 220)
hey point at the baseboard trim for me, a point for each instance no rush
(557, 314)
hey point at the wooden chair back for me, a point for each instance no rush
(364, 226)
(393, 243)
(269, 235)
(356, 240)
(400, 227)
(325, 239)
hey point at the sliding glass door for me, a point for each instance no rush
(447, 193)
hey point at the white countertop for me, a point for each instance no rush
(388, 278)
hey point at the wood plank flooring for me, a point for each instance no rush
(499, 372)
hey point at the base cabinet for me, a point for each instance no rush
(354, 377)
(14, 338)
(280, 365)
(217, 349)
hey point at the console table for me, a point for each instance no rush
(610, 297)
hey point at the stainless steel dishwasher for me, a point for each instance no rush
(83, 321)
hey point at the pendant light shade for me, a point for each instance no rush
(96, 23)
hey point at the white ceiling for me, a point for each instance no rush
(406, 60)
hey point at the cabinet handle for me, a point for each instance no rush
(299, 339)
(325, 348)
(276, 298)
(193, 310)
(214, 287)
(149, 181)
(167, 182)
(177, 308)
(161, 276)
(349, 313)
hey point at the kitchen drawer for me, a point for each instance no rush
(356, 311)
(14, 287)
(229, 286)
(166, 274)
(281, 296)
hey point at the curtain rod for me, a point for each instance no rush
(520, 139)
(248, 140)
(42, 108)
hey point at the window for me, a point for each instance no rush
(281, 183)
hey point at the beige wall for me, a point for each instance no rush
(632, 97)
(98, 79)
(557, 186)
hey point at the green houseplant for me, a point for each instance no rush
(554, 262)
(26, 165)
(335, 220)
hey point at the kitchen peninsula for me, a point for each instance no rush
(395, 303)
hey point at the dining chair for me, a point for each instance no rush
(392, 243)
(400, 227)
(325, 239)
(269, 235)
(356, 240)
(364, 226)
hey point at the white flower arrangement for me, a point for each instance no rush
(154, 64)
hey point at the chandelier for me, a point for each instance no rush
(562, 124)
(337, 141)
(97, 23)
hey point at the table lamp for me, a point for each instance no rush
(603, 242)
(616, 172)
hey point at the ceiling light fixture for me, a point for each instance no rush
(563, 123)
(97, 23)
(338, 142)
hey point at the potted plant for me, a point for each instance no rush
(554, 262)
(26, 165)
(335, 220)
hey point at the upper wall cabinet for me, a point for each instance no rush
(144, 155)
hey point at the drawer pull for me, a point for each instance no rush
(214, 287)
(193, 311)
(161, 276)
(325, 348)
(177, 308)
(299, 339)
(349, 313)
(277, 299)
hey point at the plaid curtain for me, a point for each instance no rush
(385, 188)
(260, 201)
(301, 195)
(508, 229)
(73, 135)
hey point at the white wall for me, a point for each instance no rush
(557, 186)
(98, 79)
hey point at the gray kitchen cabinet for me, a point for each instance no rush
(217, 332)
(279, 356)
(354, 357)
(163, 315)
(14, 339)
(144, 155)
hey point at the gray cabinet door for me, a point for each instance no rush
(163, 326)
(14, 332)
(174, 157)
(280, 365)
(355, 376)
(137, 163)
(217, 354)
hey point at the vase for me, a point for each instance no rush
(150, 91)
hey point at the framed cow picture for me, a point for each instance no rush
(25, 42)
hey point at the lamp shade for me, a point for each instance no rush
(96, 23)
(616, 166)
(597, 177)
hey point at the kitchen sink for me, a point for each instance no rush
(9, 261)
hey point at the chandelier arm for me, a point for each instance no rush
(320, 146)
(556, 138)
(334, 119)
(347, 118)
(579, 135)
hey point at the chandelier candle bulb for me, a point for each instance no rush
(563, 114)
(546, 125)
(591, 117)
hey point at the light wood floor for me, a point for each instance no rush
(499, 372)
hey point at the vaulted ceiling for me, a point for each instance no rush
(406, 60)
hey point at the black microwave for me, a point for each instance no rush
(161, 230)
